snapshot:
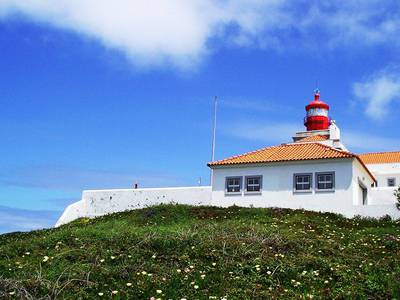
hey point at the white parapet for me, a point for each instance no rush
(96, 203)
(72, 212)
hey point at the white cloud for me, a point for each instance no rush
(263, 132)
(378, 92)
(276, 133)
(149, 31)
(179, 32)
(359, 141)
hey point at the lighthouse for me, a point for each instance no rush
(317, 114)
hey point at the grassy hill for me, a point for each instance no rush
(175, 252)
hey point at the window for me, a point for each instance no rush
(253, 184)
(391, 182)
(233, 184)
(302, 182)
(325, 181)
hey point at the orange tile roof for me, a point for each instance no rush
(313, 138)
(289, 152)
(380, 157)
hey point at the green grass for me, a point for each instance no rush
(176, 251)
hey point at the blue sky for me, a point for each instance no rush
(96, 94)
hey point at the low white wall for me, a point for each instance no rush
(109, 201)
(101, 202)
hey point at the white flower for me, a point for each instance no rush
(102, 260)
(114, 292)
(178, 270)
(154, 256)
(202, 276)
(158, 291)
(196, 286)
(269, 272)
(129, 284)
(214, 264)
(100, 294)
(112, 257)
(45, 258)
(144, 272)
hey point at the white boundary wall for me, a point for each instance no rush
(102, 202)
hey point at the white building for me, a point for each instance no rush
(314, 171)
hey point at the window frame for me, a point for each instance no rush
(240, 185)
(260, 178)
(295, 175)
(325, 173)
(391, 179)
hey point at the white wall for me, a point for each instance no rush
(277, 189)
(72, 212)
(384, 171)
(101, 202)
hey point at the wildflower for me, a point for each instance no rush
(192, 267)
(129, 284)
(100, 294)
(178, 270)
(326, 281)
(112, 257)
(158, 291)
(114, 292)
(27, 253)
(214, 264)
(11, 293)
(102, 260)
(45, 258)
(202, 276)
(192, 247)
(154, 256)
(269, 272)
(196, 286)
(144, 272)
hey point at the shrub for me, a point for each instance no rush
(397, 195)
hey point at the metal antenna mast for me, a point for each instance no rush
(214, 135)
(214, 128)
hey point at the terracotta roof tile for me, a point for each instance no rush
(313, 138)
(289, 152)
(380, 157)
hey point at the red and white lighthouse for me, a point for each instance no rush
(317, 114)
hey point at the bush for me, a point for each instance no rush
(397, 195)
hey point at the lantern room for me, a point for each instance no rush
(317, 114)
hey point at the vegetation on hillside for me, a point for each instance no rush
(183, 252)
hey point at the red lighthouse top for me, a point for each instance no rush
(317, 114)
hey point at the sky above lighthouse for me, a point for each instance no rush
(103, 94)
